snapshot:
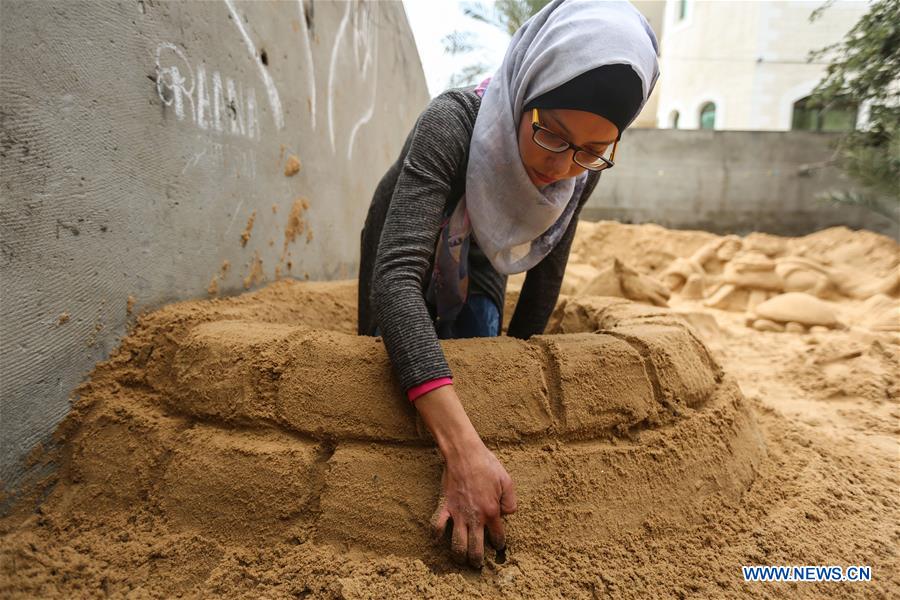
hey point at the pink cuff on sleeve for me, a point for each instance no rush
(424, 388)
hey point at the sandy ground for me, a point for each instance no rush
(698, 403)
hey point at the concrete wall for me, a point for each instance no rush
(727, 181)
(137, 140)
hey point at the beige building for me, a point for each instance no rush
(654, 11)
(742, 65)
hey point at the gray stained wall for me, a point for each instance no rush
(138, 139)
(728, 182)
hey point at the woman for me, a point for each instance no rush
(491, 182)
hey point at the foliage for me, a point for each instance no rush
(865, 69)
(463, 42)
(506, 15)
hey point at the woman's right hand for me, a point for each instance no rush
(476, 489)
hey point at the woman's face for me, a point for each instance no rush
(591, 132)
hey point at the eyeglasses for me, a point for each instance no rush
(548, 140)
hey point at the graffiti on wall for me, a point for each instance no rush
(356, 43)
(228, 106)
(271, 90)
(227, 158)
(208, 100)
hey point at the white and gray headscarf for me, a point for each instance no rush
(514, 223)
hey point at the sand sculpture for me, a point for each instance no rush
(794, 312)
(614, 279)
(255, 447)
(879, 313)
(262, 418)
(783, 284)
(734, 274)
(621, 281)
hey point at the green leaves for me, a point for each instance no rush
(505, 15)
(865, 69)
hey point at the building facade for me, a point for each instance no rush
(743, 65)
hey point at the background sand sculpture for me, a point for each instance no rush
(820, 278)
(253, 446)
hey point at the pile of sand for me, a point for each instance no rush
(254, 447)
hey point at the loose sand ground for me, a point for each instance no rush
(254, 447)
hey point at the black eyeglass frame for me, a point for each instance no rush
(536, 126)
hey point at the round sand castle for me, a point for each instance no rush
(263, 419)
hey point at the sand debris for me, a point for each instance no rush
(292, 166)
(245, 235)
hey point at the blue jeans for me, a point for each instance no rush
(479, 317)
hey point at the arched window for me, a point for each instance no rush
(673, 119)
(840, 116)
(708, 116)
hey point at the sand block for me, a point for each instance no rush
(315, 304)
(587, 492)
(322, 383)
(341, 386)
(227, 370)
(603, 387)
(797, 307)
(345, 388)
(115, 454)
(501, 383)
(593, 313)
(618, 313)
(380, 498)
(701, 324)
(580, 314)
(594, 491)
(232, 484)
(677, 361)
(333, 385)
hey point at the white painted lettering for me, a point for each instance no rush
(228, 108)
(171, 84)
(252, 115)
(218, 101)
(235, 108)
(203, 106)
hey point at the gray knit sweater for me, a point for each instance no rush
(398, 242)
